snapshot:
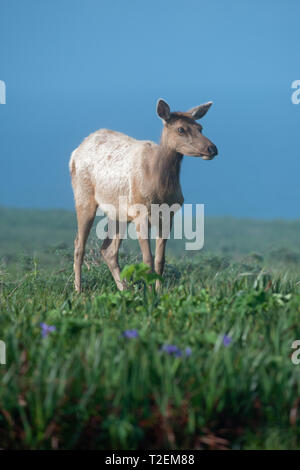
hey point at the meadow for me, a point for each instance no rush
(203, 364)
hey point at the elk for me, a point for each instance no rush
(110, 165)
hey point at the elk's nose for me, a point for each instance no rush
(212, 150)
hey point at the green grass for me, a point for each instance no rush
(86, 386)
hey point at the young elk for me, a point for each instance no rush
(109, 167)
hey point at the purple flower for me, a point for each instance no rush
(172, 349)
(130, 334)
(46, 329)
(188, 351)
(227, 340)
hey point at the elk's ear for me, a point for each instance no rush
(163, 109)
(199, 111)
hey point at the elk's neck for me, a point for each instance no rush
(167, 168)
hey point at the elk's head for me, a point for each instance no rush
(183, 134)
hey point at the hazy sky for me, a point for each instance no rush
(71, 67)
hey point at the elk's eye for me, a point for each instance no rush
(180, 130)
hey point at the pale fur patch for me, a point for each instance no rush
(106, 162)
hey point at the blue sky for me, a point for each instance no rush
(71, 67)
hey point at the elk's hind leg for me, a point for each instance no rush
(109, 251)
(85, 218)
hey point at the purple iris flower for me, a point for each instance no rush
(188, 351)
(227, 340)
(130, 334)
(172, 349)
(46, 329)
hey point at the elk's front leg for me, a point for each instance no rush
(142, 230)
(160, 248)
